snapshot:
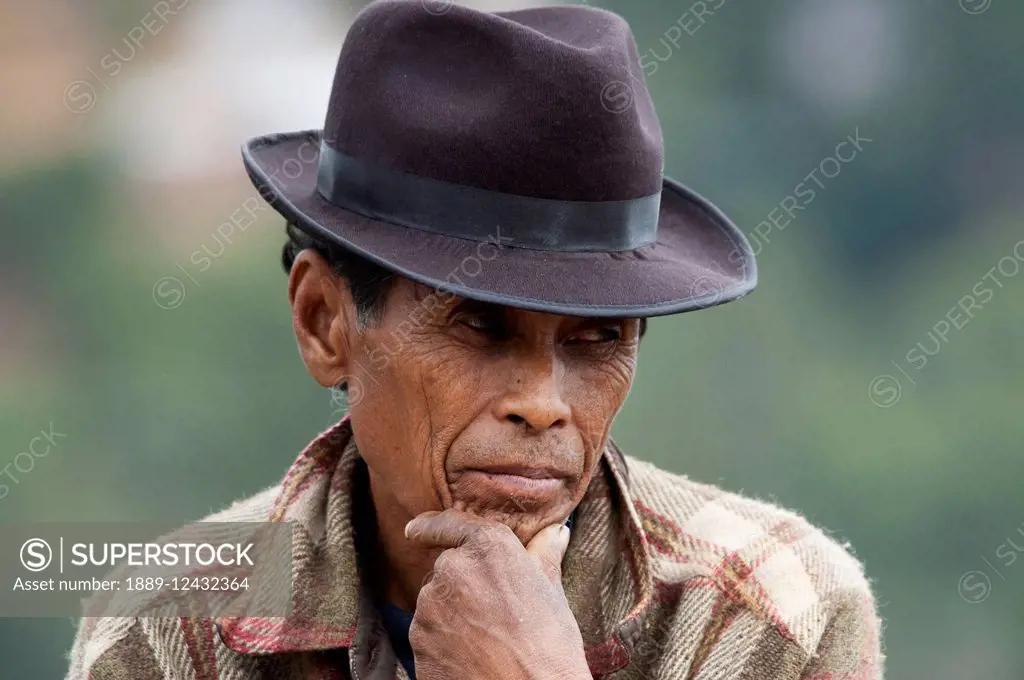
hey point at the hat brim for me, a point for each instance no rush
(700, 258)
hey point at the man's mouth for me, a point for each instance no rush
(516, 480)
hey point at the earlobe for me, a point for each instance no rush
(322, 314)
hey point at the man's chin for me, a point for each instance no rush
(524, 523)
(524, 526)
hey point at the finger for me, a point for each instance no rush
(448, 529)
(548, 547)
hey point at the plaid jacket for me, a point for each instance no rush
(667, 578)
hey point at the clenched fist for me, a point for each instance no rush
(492, 608)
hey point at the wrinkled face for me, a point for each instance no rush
(494, 410)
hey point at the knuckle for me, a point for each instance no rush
(440, 582)
(436, 590)
(428, 589)
(416, 633)
(443, 562)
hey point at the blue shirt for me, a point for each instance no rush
(397, 622)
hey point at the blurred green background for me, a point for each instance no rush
(841, 388)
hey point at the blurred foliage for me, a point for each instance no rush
(170, 414)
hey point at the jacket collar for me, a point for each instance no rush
(607, 573)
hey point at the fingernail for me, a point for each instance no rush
(563, 535)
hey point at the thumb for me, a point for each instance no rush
(548, 547)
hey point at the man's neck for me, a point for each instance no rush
(396, 569)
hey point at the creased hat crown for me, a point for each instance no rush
(533, 102)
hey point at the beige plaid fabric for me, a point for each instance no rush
(668, 579)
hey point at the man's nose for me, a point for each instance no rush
(535, 397)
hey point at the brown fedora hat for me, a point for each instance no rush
(510, 157)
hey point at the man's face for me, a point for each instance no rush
(494, 410)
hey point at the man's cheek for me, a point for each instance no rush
(441, 369)
(622, 372)
(603, 382)
(615, 383)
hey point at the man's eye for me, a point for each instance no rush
(597, 335)
(481, 323)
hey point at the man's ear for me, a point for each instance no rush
(323, 317)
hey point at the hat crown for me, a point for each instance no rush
(545, 103)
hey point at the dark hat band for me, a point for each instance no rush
(476, 214)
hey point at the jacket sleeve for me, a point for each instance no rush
(850, 647)
(113, 649)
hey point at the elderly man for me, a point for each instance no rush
(475, 241)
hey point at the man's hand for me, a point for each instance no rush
(492, 608)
